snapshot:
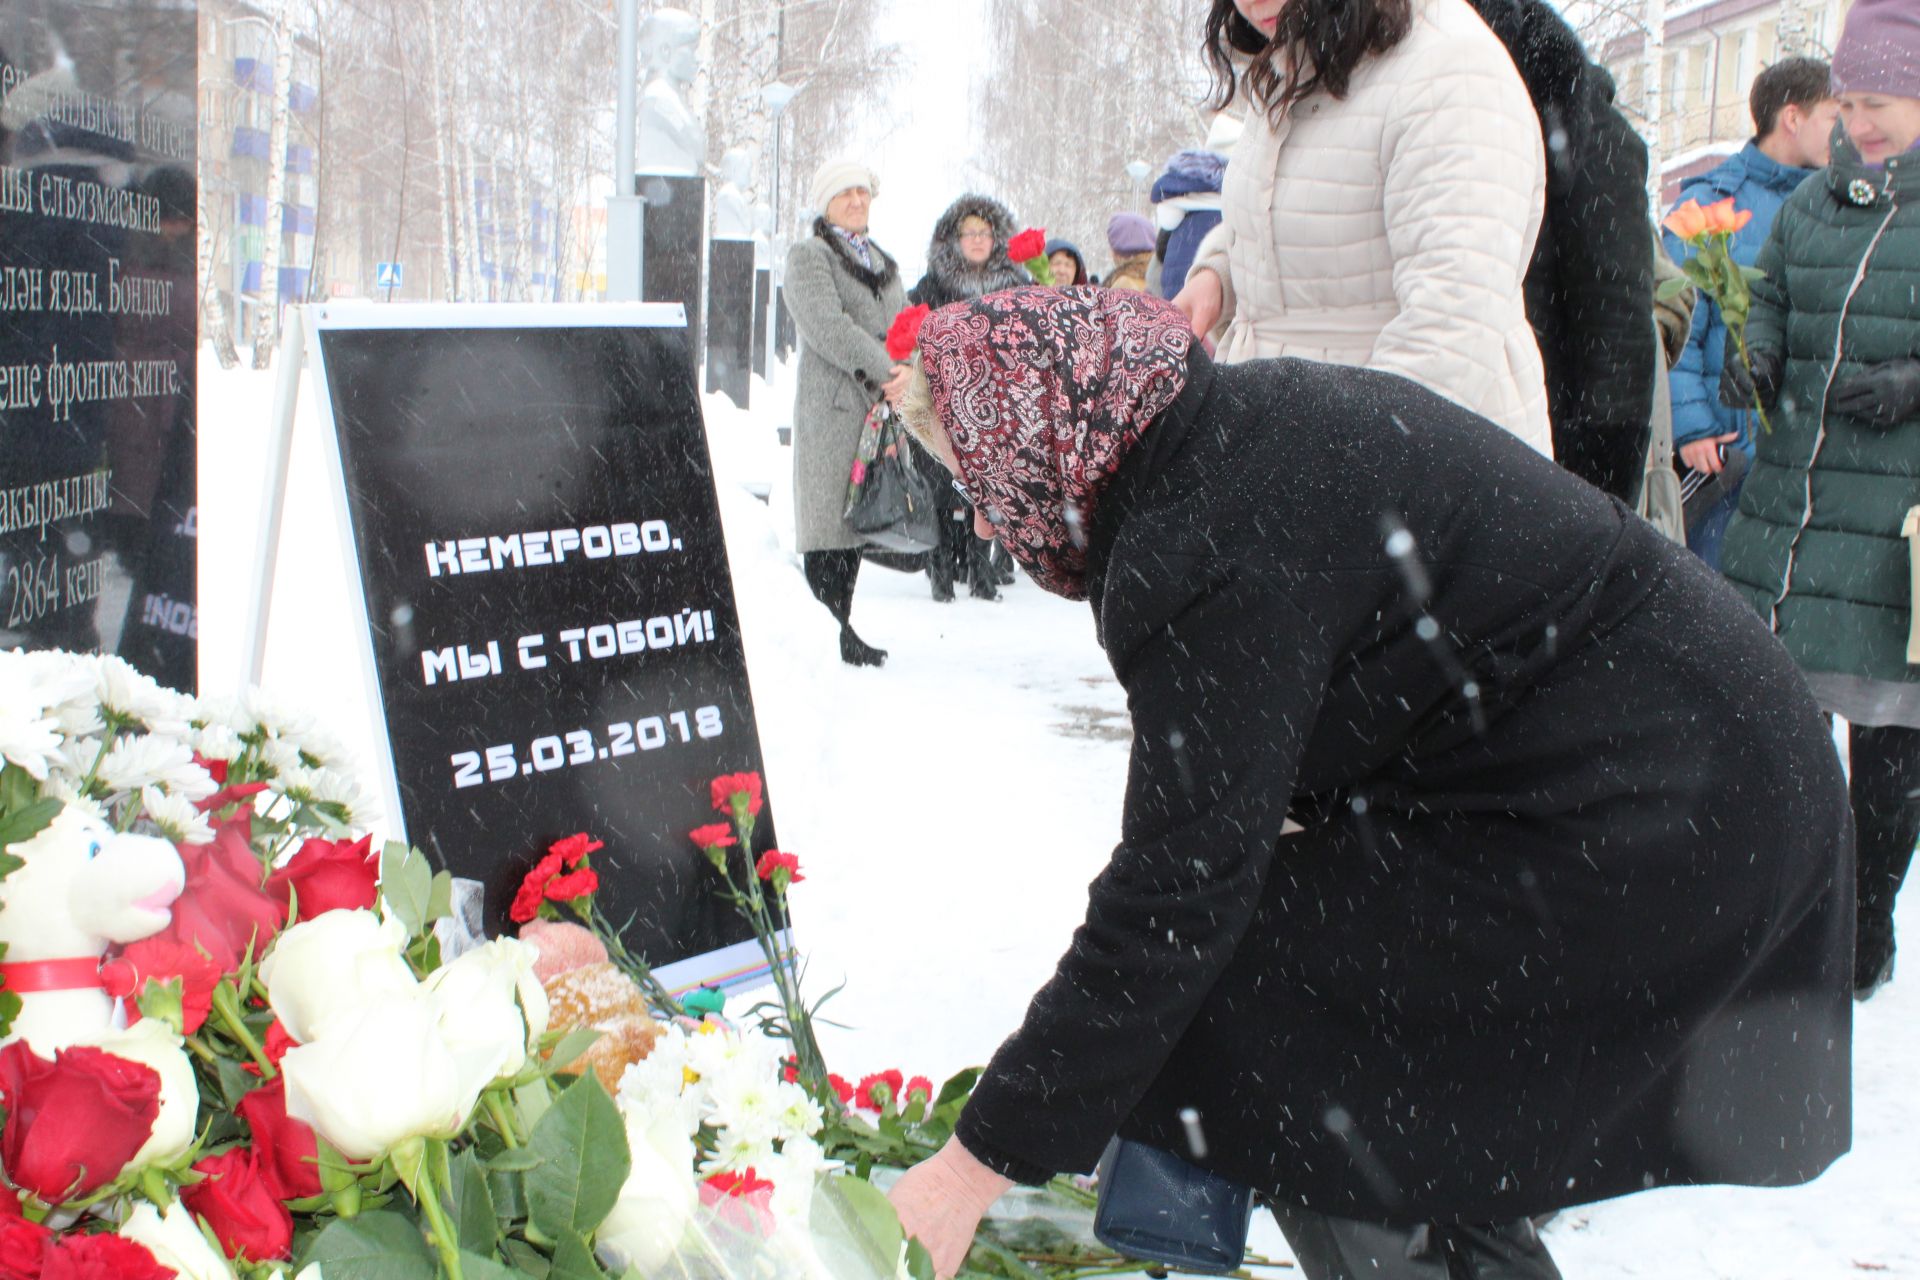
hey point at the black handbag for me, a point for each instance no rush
(1156, 1207)
(889, 503)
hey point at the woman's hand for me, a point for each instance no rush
(896, 386)
(941, 1201)
(1704, 455)
(1201, 299)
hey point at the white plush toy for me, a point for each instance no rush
(83, 887)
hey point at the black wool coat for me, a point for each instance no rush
(1571, 912)
(1589, 288)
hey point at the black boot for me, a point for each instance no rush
(980, 574)
(856, 652)
(831, 575)
(940, 570)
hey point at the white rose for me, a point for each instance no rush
(330, 967)
(173, 1238)
(152, 1043)
(380, 1075)
(657, 1201)
(480, 998)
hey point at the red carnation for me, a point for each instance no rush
(717, 835)
(904, 334)
(23, 1246)
(919, 1088)
(76, 1256)
(573, 849)
(878, 1089)
(782, 869)
(533, 889)
(1028, 245)
(790, 1070)
(575, 884)
(728, 785)
(162, 959)
(742, 1184)
(841, 1089)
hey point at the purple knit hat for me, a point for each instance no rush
(1129, 233)
(1879, 50)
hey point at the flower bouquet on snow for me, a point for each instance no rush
(236, 1044)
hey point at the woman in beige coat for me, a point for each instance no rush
(1382, 206)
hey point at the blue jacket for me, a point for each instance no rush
(1189, 174)
(1758, 182)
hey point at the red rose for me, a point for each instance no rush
(163, 958)
(1028, 245)
(575, 884)
(573, 849)
(328, 875)
(533, 889)
(278, 1042)
(285, 1151)
(223, 908)
(717, 835)
(23, 1246)
(877, 1090)
(725, 787)
(238, 1204)
(904, 334)
(73, 1123)
(782, 869)
(100, 1257)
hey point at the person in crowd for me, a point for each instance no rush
(1589, 287)
(1793, 116)
(1527, 946)
(1130, 237)
(1068, 264)
(1186, 203)
(1382, 206)
(1816, 545)
(1662, 503)
(843, 291)
(966, 258)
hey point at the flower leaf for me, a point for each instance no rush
(406, 885)
(478, 1267)
(372, 1246)
(573, 1260)
(26, 822)
(582, 1145)
(473, 1216)
(575, 1043)
(874, 1227)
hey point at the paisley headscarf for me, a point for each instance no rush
(1043, 392)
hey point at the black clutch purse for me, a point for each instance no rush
(1158, 1208)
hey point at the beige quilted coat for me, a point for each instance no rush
(1392, 228)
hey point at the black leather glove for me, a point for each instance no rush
(1882, 395)
(1737, 390)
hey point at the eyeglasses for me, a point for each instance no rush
(976, 235)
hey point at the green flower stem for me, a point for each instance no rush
(428, 1198)
(224, 1004)
(502, 1120)
(202, 1050)
(1740, 339)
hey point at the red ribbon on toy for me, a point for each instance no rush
(78, 973)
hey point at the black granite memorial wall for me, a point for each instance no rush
(98, 515)
(762, 300)
(730, 319)
(672, 233)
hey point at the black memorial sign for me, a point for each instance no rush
(548, 597)
(97, 331)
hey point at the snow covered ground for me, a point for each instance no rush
(950, 809)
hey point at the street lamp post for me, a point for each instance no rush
(1138, 171)
(778, 96)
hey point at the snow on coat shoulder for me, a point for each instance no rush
(1392, 228)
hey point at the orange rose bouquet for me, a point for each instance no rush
(1710, 230)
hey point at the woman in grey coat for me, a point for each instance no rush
(843, 290)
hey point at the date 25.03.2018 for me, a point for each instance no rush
(558, 751)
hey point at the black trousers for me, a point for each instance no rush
(1329, 1248)
(831, 575)
(1882, 778)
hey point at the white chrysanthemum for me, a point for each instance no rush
(745, 1106)
(794, 1173)
(262, 710)
(65, 787)
(176, 817)
(291, 776)
(796, 1115)
(29, 737)
(658, 1083)
(719, 1054)
(131, 694)
(319, 744)
(333, 786)
(151, 759)
(736, 1151)
(77, 757)
(217, 741)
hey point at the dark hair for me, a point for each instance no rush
(1798, 82)
(1325, 40)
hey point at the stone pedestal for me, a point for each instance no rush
(762, 301)
(785, 338)
(730, 318)
(675, 226)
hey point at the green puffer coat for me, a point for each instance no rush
(1816, 545)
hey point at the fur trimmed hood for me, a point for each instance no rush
(1190, 172)
(950, 277)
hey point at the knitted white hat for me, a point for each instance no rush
(836, 176)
